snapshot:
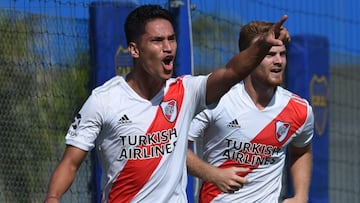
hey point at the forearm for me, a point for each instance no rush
(61, 180)
(226, 180)
(300, 170)
(247, 60)
(65, 172)
(221, 80)
(235, 70)
(199, 168)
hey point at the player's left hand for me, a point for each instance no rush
(278, 34)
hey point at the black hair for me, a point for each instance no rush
(140, 16)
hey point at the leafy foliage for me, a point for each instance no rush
(38, 99)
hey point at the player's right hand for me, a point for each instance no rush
(228, 180)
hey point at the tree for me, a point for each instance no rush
(38, 99)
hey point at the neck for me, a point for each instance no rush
(260, 95)
(143, 86)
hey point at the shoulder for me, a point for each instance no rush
(234, 94)
(107, 92)
(109, 85)
(230, 101)
(194, 85)
(191, 78)
(299, 105)
(292, 96)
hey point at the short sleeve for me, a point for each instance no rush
(86, 125)
(305, 136)
(199, 124)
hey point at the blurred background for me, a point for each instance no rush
(50, 58)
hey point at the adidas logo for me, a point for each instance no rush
(233, 124)
(124, 119)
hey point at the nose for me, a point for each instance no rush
(167, 46)
(278, 59)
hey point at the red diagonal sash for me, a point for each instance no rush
(136, 173)
(209, 191)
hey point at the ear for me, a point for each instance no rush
(134, 51)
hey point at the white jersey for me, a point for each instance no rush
(237, 133)
(141, 144)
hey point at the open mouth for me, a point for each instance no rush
(277, 70)
(168, 62)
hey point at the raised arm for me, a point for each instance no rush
(221, 80)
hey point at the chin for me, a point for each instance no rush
(167, 76)
(275, 83)
(168, 73)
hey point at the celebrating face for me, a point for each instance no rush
(156, 49)
(270, 71)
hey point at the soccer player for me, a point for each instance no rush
(246, 136)
(138, 123)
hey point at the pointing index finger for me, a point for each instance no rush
(279, 25)
(282, 20)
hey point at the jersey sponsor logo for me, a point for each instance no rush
(124, 120)
(155, 144)
(282, 129)
(250, 154)
(169, 109)
(233, 124)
